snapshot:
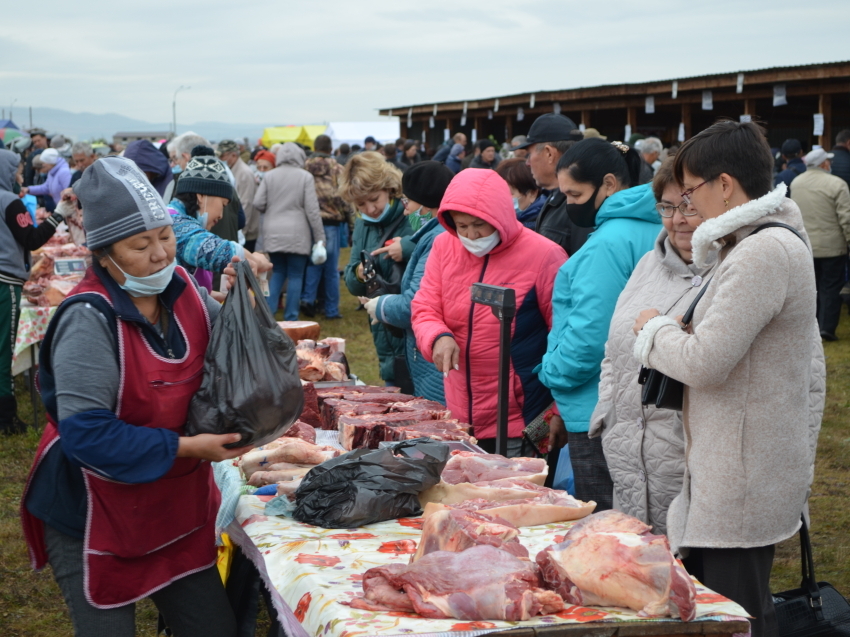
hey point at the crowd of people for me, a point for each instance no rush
(607, 245)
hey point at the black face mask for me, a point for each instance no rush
(584, 214)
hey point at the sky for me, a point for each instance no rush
(280, 62)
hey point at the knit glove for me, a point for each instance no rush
(319, 254)
(65, 209)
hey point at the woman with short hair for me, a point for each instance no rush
(746, 366)
(373, 186)
(527, 196)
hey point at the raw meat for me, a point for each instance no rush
(262, 478)
(387, 398)
(545, 508)
(338, 392)
(599, 567)
(335, 371)
(456, 531)
(310, 414)
(300, 330)
(481, 583)
(437, 411)
(366, 431)
(305, 344)
(339, 357)
(292, 450)
(311, 366)
(466, 466)
(611, 521)
(445, 493)
(301, 430)
(435, 429)
(289, 488)
(335, 344)
(333, 408)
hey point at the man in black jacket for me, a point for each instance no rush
(792, 151)
(549, 137)
(841, 159)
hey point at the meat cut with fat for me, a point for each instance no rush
(601, 563)
(466, 466)
(333, 408)
(434, 429)
(435, 409)
(367, 431)
(291, 450)
(445, 493)
(301, 430)
(455, 531)
(481, 583)
(387, 398)
(310, 414)
(339, 392)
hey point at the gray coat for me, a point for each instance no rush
(290, 220)
(644, 447)
(747, 366)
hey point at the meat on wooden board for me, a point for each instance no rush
(604, 564)
(457, 530)
(481, 583)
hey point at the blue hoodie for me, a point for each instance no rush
(586, 292)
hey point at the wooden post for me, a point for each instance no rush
(402, 127)
(631, 119)
(476, 123)
(686, 119)
(585, 118)
(750, 107)
(509, 126)
(825, 107)
(449, 127)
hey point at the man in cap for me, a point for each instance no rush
(83, 156)
(39, 143)
(370, 143)
(824, 200)
(487, 157)
(549, 137)
(792, 151)
(246, 188)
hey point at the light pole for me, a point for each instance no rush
(14, 101)
(174, 106)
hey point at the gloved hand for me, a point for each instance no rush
(372, 307)
(67, 205)
(319, 254)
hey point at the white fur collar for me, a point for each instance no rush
(706, 235)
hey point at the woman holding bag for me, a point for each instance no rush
(119, 502)
(746, 363)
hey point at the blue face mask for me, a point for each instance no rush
(176, 169)
(382, 216)
(516, 205)
(202, 219)
(150, 285)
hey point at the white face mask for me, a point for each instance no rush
(481, 246)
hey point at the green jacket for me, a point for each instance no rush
(367, 236)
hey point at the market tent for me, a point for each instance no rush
(356, 132)
(282, 134)
(7, 123)
(312, 132)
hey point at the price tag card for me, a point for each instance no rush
(69, 265)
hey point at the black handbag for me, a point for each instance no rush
(815, 609)
(669, 393)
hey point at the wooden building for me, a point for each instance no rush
(785, 99)
(125, 138)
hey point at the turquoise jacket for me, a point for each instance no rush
(586, 291)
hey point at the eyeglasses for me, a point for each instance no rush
(687, 194)
(667, 211)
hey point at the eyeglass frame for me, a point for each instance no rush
(686, 196)
(660, 206)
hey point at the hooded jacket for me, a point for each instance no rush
(367, 236)
(290, 220)
(523, 261)
(395, 309)
(453, 161)
(18, 235)
(58, 179)
(150, 160)
(586, 292)
(747, 371)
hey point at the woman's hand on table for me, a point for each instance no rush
(557, 432)
(446, 355)
(210, 447)
(393, 251)
(643, 318)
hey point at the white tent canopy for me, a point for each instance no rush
(355, 132)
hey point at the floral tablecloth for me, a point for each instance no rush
(32, 326)
(312, 569)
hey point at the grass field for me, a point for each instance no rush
(31, 604)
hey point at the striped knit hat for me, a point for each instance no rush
(205, 175)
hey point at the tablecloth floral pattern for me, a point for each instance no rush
(313, 569)
(32, 326)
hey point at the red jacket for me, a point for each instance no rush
(524, 261)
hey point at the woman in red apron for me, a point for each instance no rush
(119, 502)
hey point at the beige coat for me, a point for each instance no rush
(644, 446)
(286, 198)
(246, 188)
(747, 367)
(824, 200)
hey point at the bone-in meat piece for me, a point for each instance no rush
(481, 583)
(437, 411)
(466, 466)
(273, 476)
(311, 366)
(292, 450)
(288, 488)
(301, 430)
(455, 531)
(599, 567)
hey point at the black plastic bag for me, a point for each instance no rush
(370, 485)
(251, 384)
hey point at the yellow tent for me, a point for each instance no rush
(282, 134)
(311, 133)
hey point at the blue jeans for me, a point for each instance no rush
(287, 266)
(327, 272)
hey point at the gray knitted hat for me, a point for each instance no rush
(205, 175)
(118, 201)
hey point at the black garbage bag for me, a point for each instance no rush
(251, 384)
(370, 485)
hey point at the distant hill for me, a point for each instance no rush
(86, 126)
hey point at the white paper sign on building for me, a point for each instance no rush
(707, 101)
(780, 97)
(818, 117)
(650, 104)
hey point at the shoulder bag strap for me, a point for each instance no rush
(388, 233)
(689, 314)
(809, 582)
(776, 224)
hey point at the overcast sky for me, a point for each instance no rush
(272, 62)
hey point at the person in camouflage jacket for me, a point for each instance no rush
(335, 212)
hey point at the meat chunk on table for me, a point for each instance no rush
(457, 530)
(466, 466)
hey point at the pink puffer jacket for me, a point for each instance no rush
(524, 261)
